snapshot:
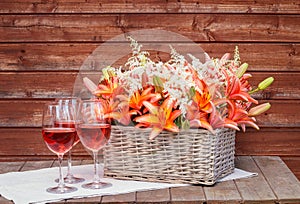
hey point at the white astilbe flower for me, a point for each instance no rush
(138, 57)
(210, 71)
(178, 90)
(155, 69)
(176, 58)
(213, 73)
(131, 80)
(135, 67)
(135, 46)
(237, 59)
(179, 81)
(207, 70)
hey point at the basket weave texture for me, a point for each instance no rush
(195, 156)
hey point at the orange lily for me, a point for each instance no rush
(197, 118)
(160, 118)
(117, 110)
(198, 112)
(203, 101)
(137, 99)
(215, 119)
(245, 85)
(107, 88)
(240, 116)
(234, 90)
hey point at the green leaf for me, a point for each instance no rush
(158, 84)
(192, 92)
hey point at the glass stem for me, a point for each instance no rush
(61, 183)
(96, 167)
(69, 174)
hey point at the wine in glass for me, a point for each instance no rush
(59, 139)
(94, 133)
(75, 103)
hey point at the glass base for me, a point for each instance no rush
(96, 185)
(61, 190)
(71, 180)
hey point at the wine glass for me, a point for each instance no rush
(75, 103)
(94, 133)
(58, 138)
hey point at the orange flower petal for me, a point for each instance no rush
(155, 132)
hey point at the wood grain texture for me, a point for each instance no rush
(155, 196)
(152, 6)
(90, 200)
(269, 141)
(36, 85)
(277, 174)
(10, 166)
(255, 189)
(71, 56)
(21, 113)
(47, 85)
(33, 165)
(120, 198)
(5, 201)
(282, 87)
(197, 27)
(222, 192)
(187, 194)
(294, 164)
(281, 114)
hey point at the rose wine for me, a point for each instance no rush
(94, 136)
(59, 140)
(68, 124)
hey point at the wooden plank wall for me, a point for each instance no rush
(43, 43)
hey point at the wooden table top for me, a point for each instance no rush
(275, 183)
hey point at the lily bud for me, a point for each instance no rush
(90, 85)
(111, 73)
(158, 84)
(185, 125)
(241, 70)
(226, 56)
(207, 57)
(143, 60)
(259, 109)
(105, 74)
(265, 83)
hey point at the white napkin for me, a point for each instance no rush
(237, 174)
(30, 186)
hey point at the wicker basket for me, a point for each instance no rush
(194, 156)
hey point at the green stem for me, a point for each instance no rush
(253, 91)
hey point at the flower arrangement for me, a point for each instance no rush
(176, 94)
